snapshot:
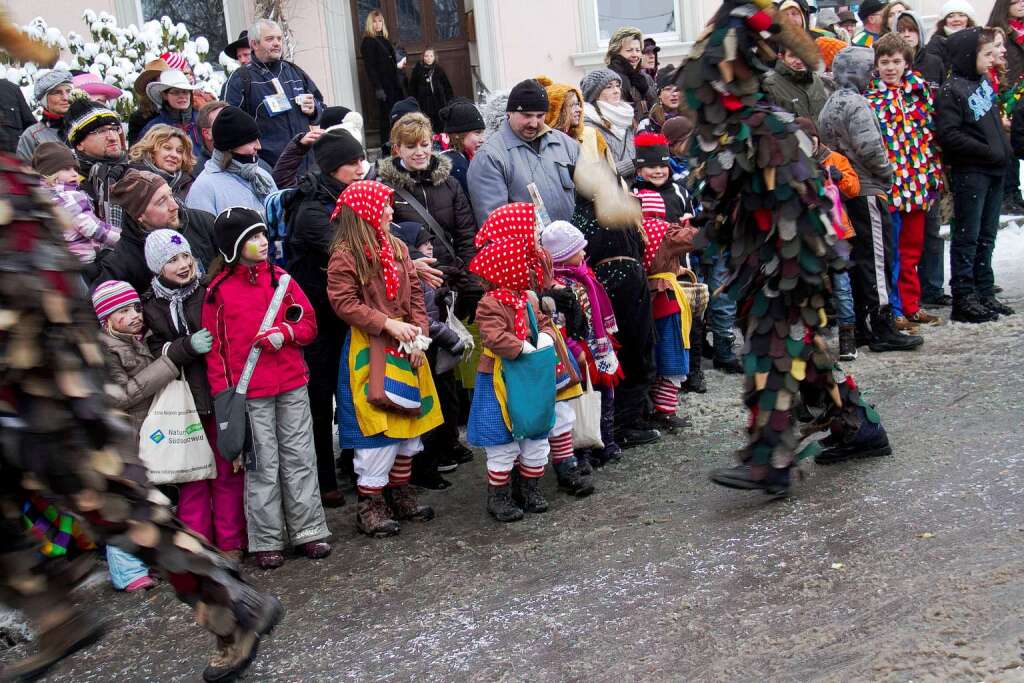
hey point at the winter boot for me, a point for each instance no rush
(995, 305)
(405, 506)
(234, 654)
(373, 517)
(730, 366)
(695, 382)
(847, 342)
(532, 499)
(500, 505)
(867, 440)
(775, 483)
(78, 631)
(669, 422)
(968, 309)
(884, 336)
(571, 479)
(238, 629)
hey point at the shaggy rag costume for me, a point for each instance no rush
(764, 201)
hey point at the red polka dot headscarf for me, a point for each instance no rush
(367, 199)
(507, 256)
(654, 229)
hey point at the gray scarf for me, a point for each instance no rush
(175, 299)
(262, 183)
(173, 179)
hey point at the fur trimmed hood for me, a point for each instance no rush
(556, 100)
(439, 171)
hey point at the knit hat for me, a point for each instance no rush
(460, 115)
(596, 81)
(175, 60)
(556, 101)
(677, 128)
(527, 96)
(163, 245)
(233, 128)
(332, 116)
(869, 7)
(954, 6)
(112, 296)
(134, 191)
(562, 239)
(84, 116)
(48, 81)
(829, 48)
(233, 227)
(651, 149)
(52, 157)
(665, 77)
(652, 205)
(402, 107)
(335, 148)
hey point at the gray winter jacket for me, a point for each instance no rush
(848, 125)
(503, 167)
(136, 376)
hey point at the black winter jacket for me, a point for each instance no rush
(432, 90)
(381, 66)
(15, 116)
(157, 314)
(938, 46)
(968, 125)
(127, 261)
(677, 199)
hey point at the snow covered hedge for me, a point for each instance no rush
(118, 54)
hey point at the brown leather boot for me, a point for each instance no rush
(373, 517)
(406, 506)
(234, 654)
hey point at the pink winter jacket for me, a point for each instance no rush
(236, 302)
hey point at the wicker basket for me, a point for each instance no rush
(696, 292)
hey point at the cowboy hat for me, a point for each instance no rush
(168, 80)
(232, 48)
(150, 72)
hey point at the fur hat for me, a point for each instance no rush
(52, 157)
(111, 296)
(163, 245)
(556, 100)
(595, 81)
(527, 96)
(48, 81)
(562, 239)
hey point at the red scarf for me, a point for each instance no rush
(367, 198)
(1017, 28)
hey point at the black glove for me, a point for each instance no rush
(835, 174)
(380, 94)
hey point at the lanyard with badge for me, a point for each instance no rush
(278, 102)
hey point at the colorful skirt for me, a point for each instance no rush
(486, 425)
(670, 354)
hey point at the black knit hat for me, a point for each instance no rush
(233, 128)
(461, 116)
(666, 76)
(651, 150)
(83, 117)
(335, 148)
(403, 107)
(233, 227)
(527, 96)
(332, 116)
(869, 7)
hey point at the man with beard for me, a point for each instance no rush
(148, 204)
(95, 133)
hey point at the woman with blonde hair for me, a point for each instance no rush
(382, 67)
(166, 151)
(624, 57)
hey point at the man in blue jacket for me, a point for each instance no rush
(282, 98)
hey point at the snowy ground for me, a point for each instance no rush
(901, 569)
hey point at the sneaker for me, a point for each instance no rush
(995, 305)
(269, 559)
(630, 437)
(447, 463)
(847, 343)
(923, 317)
(500, 505)
(730, 366)
(969, 310)
(143, 583)
(776, 483)
(315, 550)
(373, 517)
(669, 422)
(901, 324)
(571, 479)
(941, 301)
(78, 631)
(405, 505)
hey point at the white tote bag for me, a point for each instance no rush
(586, 433)
(172, 443)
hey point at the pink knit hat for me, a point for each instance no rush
(175, 60)
(111, 296)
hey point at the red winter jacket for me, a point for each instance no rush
(235, 304)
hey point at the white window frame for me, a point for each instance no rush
(674, 45)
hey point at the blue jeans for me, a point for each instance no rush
(977, 200)
(894, 278)
(843, 293)
(124, 568)
(721, 309)
(932, 268)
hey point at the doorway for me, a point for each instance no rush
(414, 25)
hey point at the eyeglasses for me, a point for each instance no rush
(107, 130)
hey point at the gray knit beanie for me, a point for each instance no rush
(163, 245)
(596, 81)
(48, 81)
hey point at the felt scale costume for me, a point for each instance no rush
(764, 200)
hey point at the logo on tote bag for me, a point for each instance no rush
(157, 436)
